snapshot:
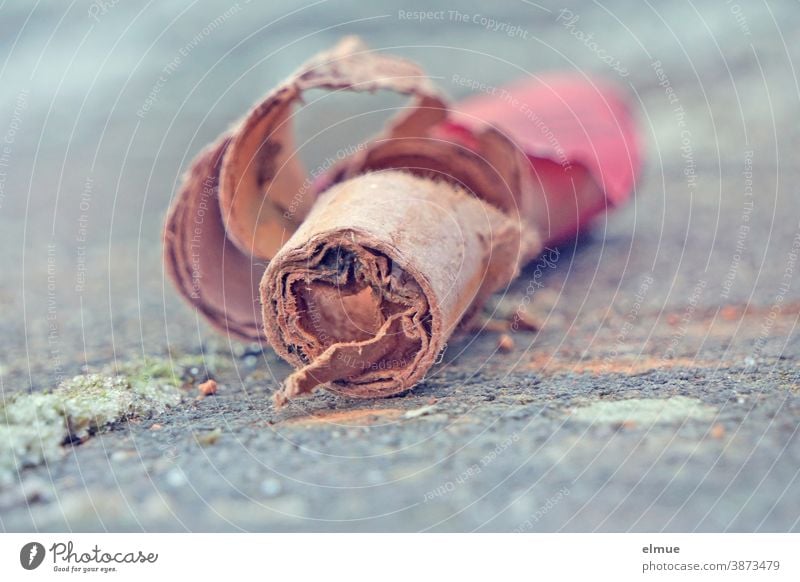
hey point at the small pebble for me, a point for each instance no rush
(271, 487)
(37, 490)
(417, 412)
(175, 478)
(506, 343)
(729, 313)
(209, 438)
(207, 388)
(119, 456)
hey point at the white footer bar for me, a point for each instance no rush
(407, 557)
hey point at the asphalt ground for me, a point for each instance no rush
(661, 393)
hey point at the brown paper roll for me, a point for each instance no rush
(369, 289)
(368, 281)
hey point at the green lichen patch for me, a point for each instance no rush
(35, 427)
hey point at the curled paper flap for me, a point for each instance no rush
(206, 268)
(249, 185)
(262, 176)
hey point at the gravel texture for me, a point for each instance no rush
(661, 394)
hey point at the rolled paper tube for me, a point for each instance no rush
(409, 236)
(370, 287)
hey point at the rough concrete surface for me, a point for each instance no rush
(661, 393)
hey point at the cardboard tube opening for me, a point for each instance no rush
(363, 304)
